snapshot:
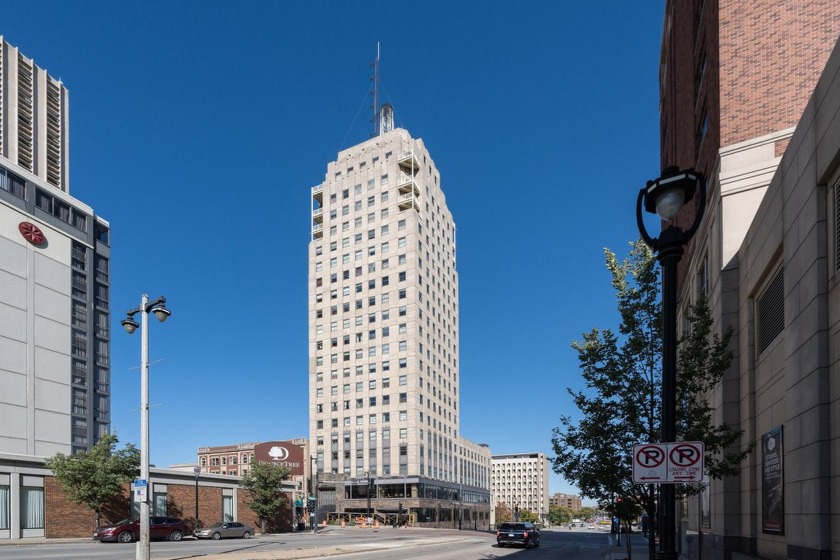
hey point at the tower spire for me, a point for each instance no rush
(375, 93)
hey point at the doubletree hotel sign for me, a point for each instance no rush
(283, 453)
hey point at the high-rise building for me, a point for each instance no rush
(383, 332)
(520, 481)
(54, 276)
(740, 101)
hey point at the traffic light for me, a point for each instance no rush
(618, 500)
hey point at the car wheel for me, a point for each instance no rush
(217, 536)
(175, 536)
(246, 535)
(125, 536)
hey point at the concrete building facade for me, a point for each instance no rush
(520, 481)
(54, 276)
(383, 334)
(749, 97)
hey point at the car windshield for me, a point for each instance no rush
(512, 527)
(124, 522)
(219, 524)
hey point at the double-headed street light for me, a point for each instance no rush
(158, 308)
(665, 196)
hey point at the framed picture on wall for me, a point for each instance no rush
(773, 482)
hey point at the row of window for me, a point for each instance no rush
(61, 210)
(357, 238)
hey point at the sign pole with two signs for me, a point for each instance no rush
(680, 462)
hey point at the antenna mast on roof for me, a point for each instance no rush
(375, 93)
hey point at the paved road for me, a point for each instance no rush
(368, 544)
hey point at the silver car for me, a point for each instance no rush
(224, 530)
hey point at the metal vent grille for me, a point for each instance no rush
(770, 309)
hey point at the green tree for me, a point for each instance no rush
(586, 512)
(620, 406)
(559, 515)
(528, 515)
(96, 477)
(265, 491)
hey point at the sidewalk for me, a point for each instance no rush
(638, 547)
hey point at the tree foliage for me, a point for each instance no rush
(559, 515)
(621, 404)
(265, 491)
(528, 515)
(587, 512)
(503, 513)
(96, 477)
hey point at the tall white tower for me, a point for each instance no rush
(383, 315)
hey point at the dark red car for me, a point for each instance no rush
(128, 530)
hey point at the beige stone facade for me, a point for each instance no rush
(383, 335)
(520, 481)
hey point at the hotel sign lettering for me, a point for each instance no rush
(283, 453)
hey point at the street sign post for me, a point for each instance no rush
(140, 490)
(668, 463)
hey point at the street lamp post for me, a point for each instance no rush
(196, 472)
(665, 196)
(158, 307)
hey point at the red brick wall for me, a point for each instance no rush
(181, 503)
(771, 54)
(762, 61)
(64, 518)
(280, 524)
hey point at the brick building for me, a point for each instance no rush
(32, 503)
(749, 96)
(571, 501)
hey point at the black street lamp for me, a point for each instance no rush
(196, 472)
(665, 196)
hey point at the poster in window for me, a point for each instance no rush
(772, 483)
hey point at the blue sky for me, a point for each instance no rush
(199, 128)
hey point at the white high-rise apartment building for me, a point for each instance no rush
(520, 480)
(54, 277)
(383, 325)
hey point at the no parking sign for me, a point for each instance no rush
(677, 462)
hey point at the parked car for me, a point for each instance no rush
(128, 530)
(223, 530)
(518, 533)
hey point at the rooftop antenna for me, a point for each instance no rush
(375, 93)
